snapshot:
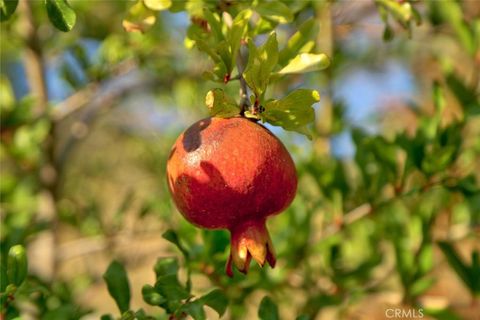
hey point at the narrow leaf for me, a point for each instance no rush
(118, 285)
(456, 262)
(3, 276)
(425, 259)
(158, 5)
(220, 104)
(223, 49)
(238, 31)
(306, 62)
(466, 95)
(7, 97)
(214, 23)
(268, 310)
(61, 14)
(298, 40)
(7, 8)
(260, 64)
(264, 25)
(276, 11)
(421, 285)
(438, 97)
(202, 45)
(475, 272)
(17, 265)
(172, 236)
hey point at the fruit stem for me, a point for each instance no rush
(250, 240)
(244, 101)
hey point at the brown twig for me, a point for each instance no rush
(349, 218)
(99, 101)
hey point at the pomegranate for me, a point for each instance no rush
(232, 174)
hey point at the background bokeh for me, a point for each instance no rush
(388, 200)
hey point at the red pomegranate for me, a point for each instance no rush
(232, 174)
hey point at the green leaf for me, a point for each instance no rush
(220, 54)
(167, 283)
(293, 112)
(401, 12)
(452, 13)
(236, 34)
(264, 25)
(128, 315)
(170, 288)
(139, 18)
(7, 8)
(151, 296)
(439, 159)
(202, 45)
(140, 314)
(302, 317)
(442, 314)
(214, 23)
(467, 185)
(238, 31)
(166, 266)
(306, 62)
(220, 104)
(425, 259)
(466, 95)
(420, 286)
(456, 262)
(301, 41)
(475, 272)
(118, 286)
(17, 265)
(275, 10)
(261, 62)
(438, 97)
(216, 300)
(268, 310)
(7, 97)
(194, 309)
(3, 275)
(223, 50)
(158, 5)
(172, 236)
(61, 14)
(388, 33)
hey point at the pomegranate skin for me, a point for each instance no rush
(232, 173)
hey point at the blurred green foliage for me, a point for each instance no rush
(86, 169)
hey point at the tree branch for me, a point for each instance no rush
(349, 218)
(35, 69)
(98, 100)
(34, 64)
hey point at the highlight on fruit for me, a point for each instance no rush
(232, 173)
